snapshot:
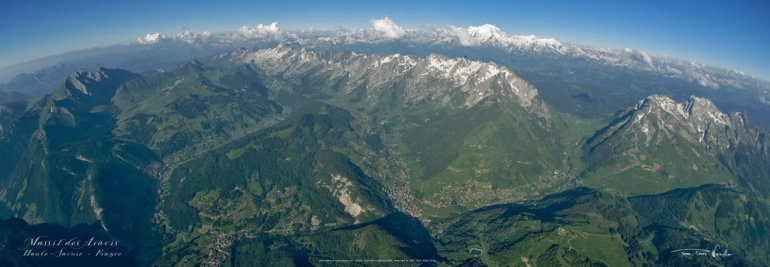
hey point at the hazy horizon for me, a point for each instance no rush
(721, 34)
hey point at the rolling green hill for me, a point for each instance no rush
(192, 109)
(585, 227)
(296, 177)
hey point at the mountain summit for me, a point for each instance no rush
(434, 78)
(691, 142)
(697, 120)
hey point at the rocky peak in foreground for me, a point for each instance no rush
(657, 119)
(96, 87)
(699, 121)
(682, 144)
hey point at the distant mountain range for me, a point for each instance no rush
(596, 79)
(11, 97)
(291, 156)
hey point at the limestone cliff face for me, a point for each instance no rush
(436, 78)
(657, 119)
(692, 133)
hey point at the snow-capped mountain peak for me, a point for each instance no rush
(659, 119)
(491, 35)
(486, 32)
(696, 109)
(435, 77)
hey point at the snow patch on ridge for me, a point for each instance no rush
(490, 71)
(270, 54)
(456, 69)
(82, 158)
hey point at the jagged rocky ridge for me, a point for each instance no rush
(474, 78)
(691, 133)
(696, 120)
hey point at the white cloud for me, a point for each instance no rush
(702, 80)
(387, 27)
(257, 33)
(150, 38)
(462, 36)
(673, 71)
(764, 100)
(646, 58)
(261, 31)
(190, 36)
(640, 55)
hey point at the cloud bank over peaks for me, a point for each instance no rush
(191, 37)
(385, 31)
(462, 36)
(150, 38)
(260, 31)
(646, 58)
(703, 80)
(672, 71)
(388, 28)
(642, 56)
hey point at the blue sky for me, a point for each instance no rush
(730, 34)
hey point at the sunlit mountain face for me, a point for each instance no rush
(426, 146)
